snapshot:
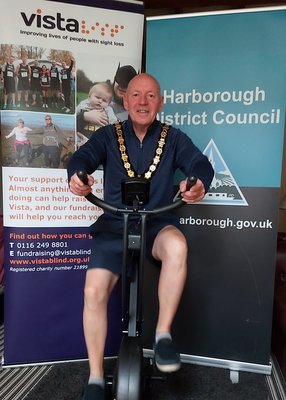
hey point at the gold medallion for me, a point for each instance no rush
(156, 157)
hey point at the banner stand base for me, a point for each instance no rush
(234, 366)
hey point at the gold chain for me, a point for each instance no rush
(156, 157)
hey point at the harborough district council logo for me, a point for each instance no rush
(223, 189)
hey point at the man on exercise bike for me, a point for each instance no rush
(140, 146)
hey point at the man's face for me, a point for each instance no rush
(143, 100)
(48, 120)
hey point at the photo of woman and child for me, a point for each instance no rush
(104, 104)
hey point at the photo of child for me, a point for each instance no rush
(99, 99)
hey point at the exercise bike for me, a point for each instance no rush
(128, 380)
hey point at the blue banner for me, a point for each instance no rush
(223, 80)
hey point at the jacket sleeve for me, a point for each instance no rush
(191, 161)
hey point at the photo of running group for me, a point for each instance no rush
(50, 107)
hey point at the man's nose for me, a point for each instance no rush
(143, 99)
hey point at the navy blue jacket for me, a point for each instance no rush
(179, 153)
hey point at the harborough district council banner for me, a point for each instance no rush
(223, 80)
(55, 57)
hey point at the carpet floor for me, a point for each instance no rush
(16, 383)
(66, 381)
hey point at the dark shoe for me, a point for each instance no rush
(94, 392)
(167, 358)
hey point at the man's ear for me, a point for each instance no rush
(161, 104)
(125, 103)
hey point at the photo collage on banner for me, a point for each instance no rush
(64, 69)
(225, 85)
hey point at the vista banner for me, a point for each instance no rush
(56, 59)
(224, 84)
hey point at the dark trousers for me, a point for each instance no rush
(52, 156)
(26, 150)
(66, 88)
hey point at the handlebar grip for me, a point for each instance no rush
(191, 181)
(82, 176)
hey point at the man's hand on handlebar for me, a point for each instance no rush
(195, 193)
(78, 187)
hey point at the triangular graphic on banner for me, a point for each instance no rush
(223, 189)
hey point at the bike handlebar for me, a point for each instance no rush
(191, 181)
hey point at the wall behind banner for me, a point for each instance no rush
(223, 81)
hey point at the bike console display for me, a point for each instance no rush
(135, 190)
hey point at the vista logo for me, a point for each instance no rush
(41, 20)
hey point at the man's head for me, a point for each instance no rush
(143, 100)
(100, 95)
(122, 78)
(48, 120)
(11, 59)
